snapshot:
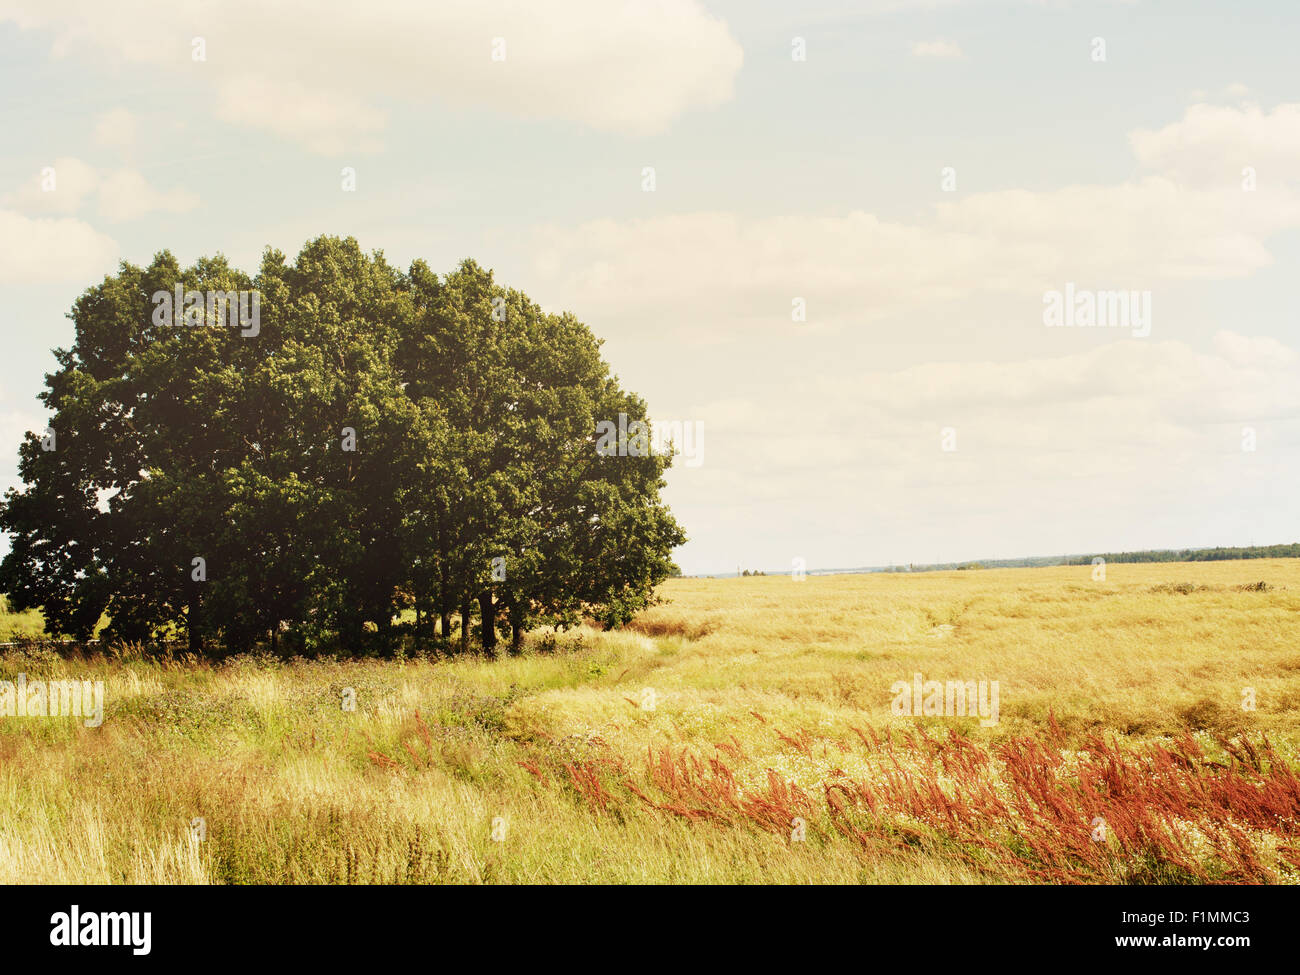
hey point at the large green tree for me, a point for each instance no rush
(377, 441)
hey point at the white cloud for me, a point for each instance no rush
(1137, 231)
(1119, 443)
(116, 129)
(1073, 402)
(739, 273)
(62, 187)
(1088, 450)
(936, 49)
(122, 194)
(1211, 145)
(327, 122)
(1259, 351)
(58, 249)
(126, 195)
(322, 77)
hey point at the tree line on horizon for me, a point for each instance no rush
(380, 442)
(1218, 554)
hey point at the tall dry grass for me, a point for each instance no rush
(1121, 702)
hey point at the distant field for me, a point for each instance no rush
(741, 732)
(17, 626)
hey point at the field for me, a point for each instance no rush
(739, 732)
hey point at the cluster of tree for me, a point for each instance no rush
(752, 572)
(380, 442)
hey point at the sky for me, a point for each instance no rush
(826, 235)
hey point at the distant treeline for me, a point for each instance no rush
(1291, 551)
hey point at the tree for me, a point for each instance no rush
(379, 441)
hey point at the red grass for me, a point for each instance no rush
(536, 771)
(1023, 809)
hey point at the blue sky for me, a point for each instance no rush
(774, 179)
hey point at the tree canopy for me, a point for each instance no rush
(375, 442)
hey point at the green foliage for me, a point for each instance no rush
(473, 415)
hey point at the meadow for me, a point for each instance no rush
(739, 732)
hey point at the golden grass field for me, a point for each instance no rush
(771, 709)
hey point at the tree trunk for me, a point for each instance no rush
(193, 631)
(466, 605)
(516, 626)
(488, 614)
(443, 599)
(351, 629)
